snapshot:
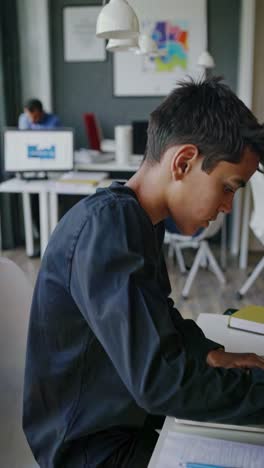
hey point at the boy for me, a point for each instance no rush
(107, 351)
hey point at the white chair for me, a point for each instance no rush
(15, 300)
(257, 226)
(204, 255)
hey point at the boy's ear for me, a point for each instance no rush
(183, 161)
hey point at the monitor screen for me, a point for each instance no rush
(38, 150)
(139, 136)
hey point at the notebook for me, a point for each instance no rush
(191, 451)
(249, 318)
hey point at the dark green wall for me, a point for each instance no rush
(223, 37)
(10, 106)
(10, 102)
(88, 87)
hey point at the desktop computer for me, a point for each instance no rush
(38, 151)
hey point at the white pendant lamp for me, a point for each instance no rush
(122, 45)
(117, 20)
(206, 60)
(147, 46)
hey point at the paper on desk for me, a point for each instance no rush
(180, 449)
(215, 425)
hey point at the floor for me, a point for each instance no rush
(205, 296)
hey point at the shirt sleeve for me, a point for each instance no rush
(23, 122)
(195, 341)
(114, 283)
(56, 121)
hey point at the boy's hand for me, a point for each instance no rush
(220, 358)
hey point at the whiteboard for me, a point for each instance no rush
(79, 32)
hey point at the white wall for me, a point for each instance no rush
(258, 88)
(35, 50)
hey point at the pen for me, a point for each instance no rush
(203, 465)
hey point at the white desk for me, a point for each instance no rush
(48, 191)
(26, 188)
(56, 188)
(215, 328)
(237, 341)
(51, 213)
(48, 197)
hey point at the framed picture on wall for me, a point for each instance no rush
(179, 28)
(80, 41)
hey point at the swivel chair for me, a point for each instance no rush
(95, 136)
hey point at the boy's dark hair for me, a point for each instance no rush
(34, 104)
(208, 115)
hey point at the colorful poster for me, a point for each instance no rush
(172, 42)
(180, 31)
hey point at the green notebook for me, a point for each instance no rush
(249, 318)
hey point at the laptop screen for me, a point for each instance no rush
(38, 150)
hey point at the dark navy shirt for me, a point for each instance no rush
(106, 347)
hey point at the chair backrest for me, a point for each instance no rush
(93, 131)
(16, 295)
(213, 228)
(257, 218)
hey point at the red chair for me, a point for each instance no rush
(93, 131)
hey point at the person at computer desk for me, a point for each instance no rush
(107, 350)
(36, 118)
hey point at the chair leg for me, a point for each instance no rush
(170, 250)
(180, 258)
(197, 262)
(204, 262)
(255, 273)
(213, 264)
(28, 225)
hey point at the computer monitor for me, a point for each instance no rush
(38, 150)
(139, 136)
